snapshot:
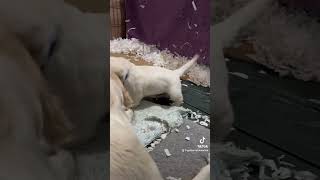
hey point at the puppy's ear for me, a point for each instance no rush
(57, 129)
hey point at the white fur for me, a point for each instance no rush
(128, 157)
(27, 108)
(221, 35)
(78, 69)
(204, 173)
(144, 81)
(76, 73)
(120, 66)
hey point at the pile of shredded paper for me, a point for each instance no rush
(232, 163)
(290, 49)
(152, 122)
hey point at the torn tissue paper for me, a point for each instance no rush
(152, 120)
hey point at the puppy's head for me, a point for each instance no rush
(35, 22)
(120, 66)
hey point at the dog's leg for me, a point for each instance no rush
(221, 107)
(134, 93)
(137, 99)
(204, 173)
(63, 165)
(221, 35)
(129, 113)
(175, 94)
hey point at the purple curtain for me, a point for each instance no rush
(181, 26)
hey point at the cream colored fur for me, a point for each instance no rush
(145, 81)
(77, 70)
(222, 34)
(128, 157)
(32, 124)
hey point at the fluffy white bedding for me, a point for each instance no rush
(285, 41)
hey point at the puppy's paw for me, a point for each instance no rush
(129, 113)
(134, 105)
(177, 103)
(63, 163)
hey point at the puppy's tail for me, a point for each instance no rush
(228, 29)
(180, 71)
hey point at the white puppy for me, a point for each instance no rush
(128, 158)
(222, 34)
(120, 66)
(144, 81)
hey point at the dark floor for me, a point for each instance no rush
(181, 164)
(275, 116)
(185, 164)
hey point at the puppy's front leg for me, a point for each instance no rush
(204, 173)
(221, 108)
(63, 164)
(129, 113)
(135, 93)
(137, 97)
(175, 94)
